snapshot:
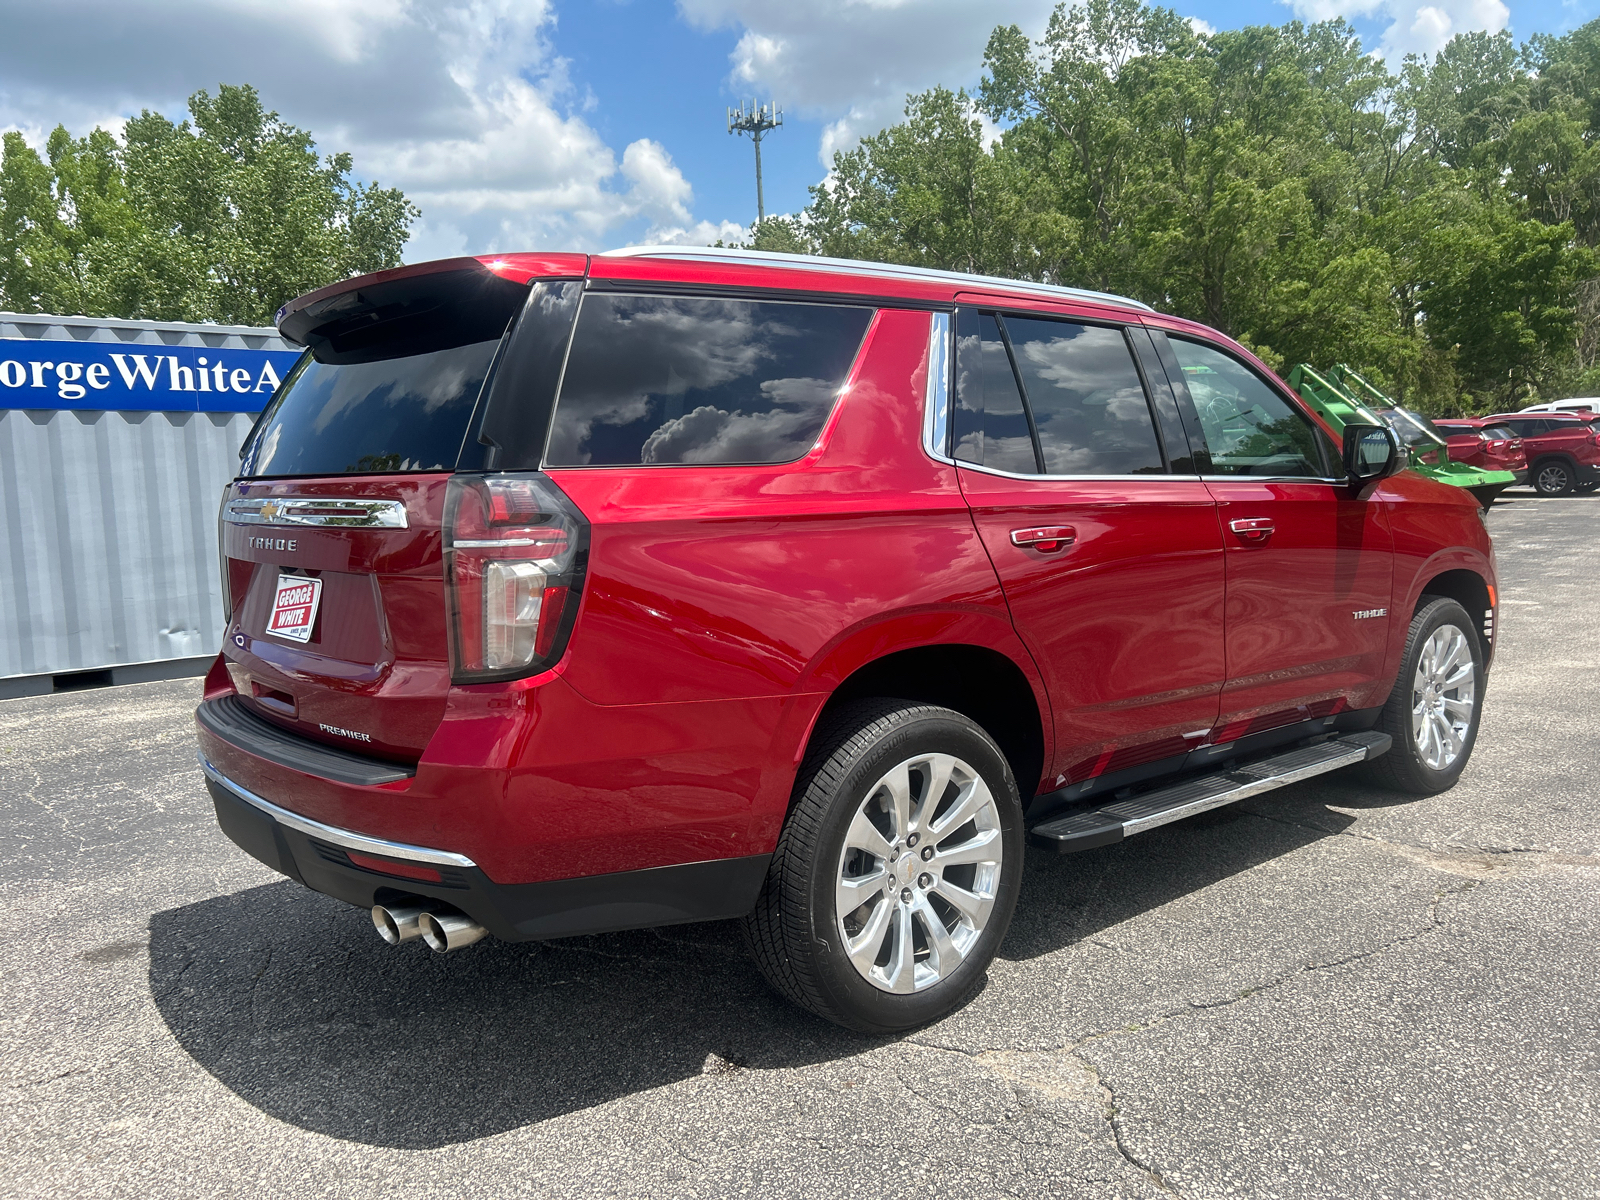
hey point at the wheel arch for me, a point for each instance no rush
(1552, 456)
(1470, 590)
(977, 681)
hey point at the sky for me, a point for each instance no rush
(555, 124)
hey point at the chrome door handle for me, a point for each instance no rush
(1047, 539)
(1252, 529)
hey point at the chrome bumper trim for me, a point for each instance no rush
(332, 833)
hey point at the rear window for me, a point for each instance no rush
(1495, 433)
(397, 414)
(656, 380)
(390, 377)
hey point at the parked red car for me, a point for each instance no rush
(1485, 442)
(1563, 450)
(570, 594)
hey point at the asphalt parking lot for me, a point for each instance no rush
(1328, 991)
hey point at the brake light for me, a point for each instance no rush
(515, 549)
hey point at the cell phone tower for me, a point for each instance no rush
(757, 122)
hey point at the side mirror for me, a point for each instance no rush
(1370, 452)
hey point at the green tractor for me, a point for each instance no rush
(1346, 398)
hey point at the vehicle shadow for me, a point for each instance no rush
(285, 996)
(1072, 898)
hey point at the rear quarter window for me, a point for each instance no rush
(660, 380)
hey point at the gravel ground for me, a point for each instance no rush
(1326, 991)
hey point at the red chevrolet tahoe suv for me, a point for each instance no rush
(570, 594)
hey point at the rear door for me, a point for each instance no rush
(1309, 561)
(1104, 538)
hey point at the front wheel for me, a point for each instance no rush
(897, 871)
(1433, 712)
(1553, 479)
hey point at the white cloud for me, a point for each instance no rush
(701, 233)
(1201, 26)
(1415, 26)
(464, 104)
(851, 63)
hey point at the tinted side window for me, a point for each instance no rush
(1249, 429)
(1086, 397)
(991, 425)
(673, 379)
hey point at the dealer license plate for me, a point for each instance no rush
(294, 607)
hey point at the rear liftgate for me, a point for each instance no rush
(1113, 822)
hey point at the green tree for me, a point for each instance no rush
(221, 217)
(1436, 225)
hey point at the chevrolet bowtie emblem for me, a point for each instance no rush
(269, 510)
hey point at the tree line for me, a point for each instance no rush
(221, 217)
(1433, 225)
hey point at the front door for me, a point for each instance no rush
(1110, 558)
(1309, 561)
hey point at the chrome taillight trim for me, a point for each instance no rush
(317, 510)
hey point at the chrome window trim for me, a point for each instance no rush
(332, 833)
(1271, 479)
(936, 403)
(275, 510)
(968, 466)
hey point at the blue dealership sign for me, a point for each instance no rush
(41, 373)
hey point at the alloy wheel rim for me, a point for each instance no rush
(1552, 479)
(1442, 697)
(918, 874)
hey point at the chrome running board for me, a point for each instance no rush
(1113, 822)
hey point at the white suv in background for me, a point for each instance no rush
(1576, 404)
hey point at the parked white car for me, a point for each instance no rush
(1576, 404)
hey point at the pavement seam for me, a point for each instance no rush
(1557, 858)
(1111, 1109)
(1107, 1098)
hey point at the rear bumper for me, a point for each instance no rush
(319, 856)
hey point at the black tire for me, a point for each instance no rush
(1403, 768)
(794, 932)
(1554, 477)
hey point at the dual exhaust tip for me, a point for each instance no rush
(442, 929)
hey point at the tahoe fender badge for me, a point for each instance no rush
(1362, 614)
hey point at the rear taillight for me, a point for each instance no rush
(514, 554)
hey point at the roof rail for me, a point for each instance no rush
(852, 266)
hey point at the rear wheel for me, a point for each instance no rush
(1553, 478)
(896, 872)
(1433, 712)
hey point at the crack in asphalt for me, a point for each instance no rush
(1445, 859)
(995, 1060)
